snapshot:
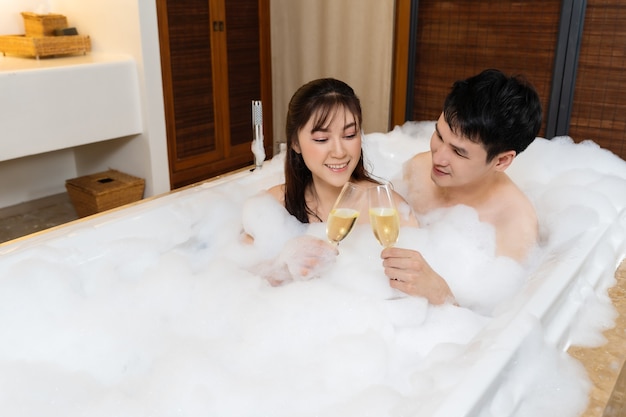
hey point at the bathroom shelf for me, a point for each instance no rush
(58, 103)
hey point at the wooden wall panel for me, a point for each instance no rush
(457, 39)
(599, 108)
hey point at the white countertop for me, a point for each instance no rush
(14, 64)
(58, 103)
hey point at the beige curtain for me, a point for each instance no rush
(351, 40)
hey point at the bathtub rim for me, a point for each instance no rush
(33, 239)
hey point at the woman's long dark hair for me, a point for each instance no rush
(320, 99)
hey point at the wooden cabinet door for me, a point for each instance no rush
(215, 61)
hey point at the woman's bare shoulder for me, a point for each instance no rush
(278, 192)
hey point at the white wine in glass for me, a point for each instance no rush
(344, 213)
(383, 215)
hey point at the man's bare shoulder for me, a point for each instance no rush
(416, 176)
(417, 161)
(513, 199)
(515, 219)
(418, 165)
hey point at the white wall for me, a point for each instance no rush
(130, 27)
(117, 27)
(11, 22)
(28, 178)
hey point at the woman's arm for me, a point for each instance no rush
(286, 252)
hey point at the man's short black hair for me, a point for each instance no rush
(502, 113)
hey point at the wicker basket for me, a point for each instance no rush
(43, 24)
(44, 46)
(96, 193)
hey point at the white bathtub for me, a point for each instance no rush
(554, 309)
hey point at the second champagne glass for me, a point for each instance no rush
(344, 213)
(383, 214)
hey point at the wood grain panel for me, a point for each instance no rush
(244, 66)
(215, 59)
(402, 23)
(457, 39)
(599, 108)
(188, 26)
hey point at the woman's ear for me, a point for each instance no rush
(504, 160)
(296, 148)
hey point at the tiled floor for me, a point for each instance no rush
(33, 216)
(606, 364)
(606, 401)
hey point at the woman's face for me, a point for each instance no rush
(332, 152)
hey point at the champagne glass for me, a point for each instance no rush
(385, 221)
(344, 213)
(383, 215)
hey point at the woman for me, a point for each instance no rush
(324, 152)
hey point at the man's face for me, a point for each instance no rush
(457, 161)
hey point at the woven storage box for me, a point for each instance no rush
(44, 46)
(43, 24)
(96, 193)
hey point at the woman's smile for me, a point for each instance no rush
(338, 167)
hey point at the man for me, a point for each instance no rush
(487, 120)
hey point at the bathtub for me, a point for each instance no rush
(563, 301)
